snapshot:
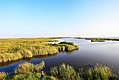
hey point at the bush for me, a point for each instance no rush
(70, 48)
(24, 68)
(99, 72)
(65, 72)
(29, 67)
(3, 76)
(27, 76)
(66, 46)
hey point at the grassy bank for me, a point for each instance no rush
(15, 49)
(29, 71)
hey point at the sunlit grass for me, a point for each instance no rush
(15, 49)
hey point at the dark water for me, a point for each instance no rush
(89, 53)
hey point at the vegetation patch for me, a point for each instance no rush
(29, 71)
(15, 49)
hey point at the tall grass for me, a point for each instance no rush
(14, 49)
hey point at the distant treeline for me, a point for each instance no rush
(29, 71)
(93, 39)
(15, 49)
(100, 39)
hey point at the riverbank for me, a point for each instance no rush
(15, 49)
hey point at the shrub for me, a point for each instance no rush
(99, 72)
(24, 68)
(66, 46)
(27, 76)
(70, 48)
(29, 67)
(3, 76)
(65, 72)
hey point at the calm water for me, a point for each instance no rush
(89, 53)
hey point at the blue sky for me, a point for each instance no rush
(44, 18)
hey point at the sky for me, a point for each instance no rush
(66, 18)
